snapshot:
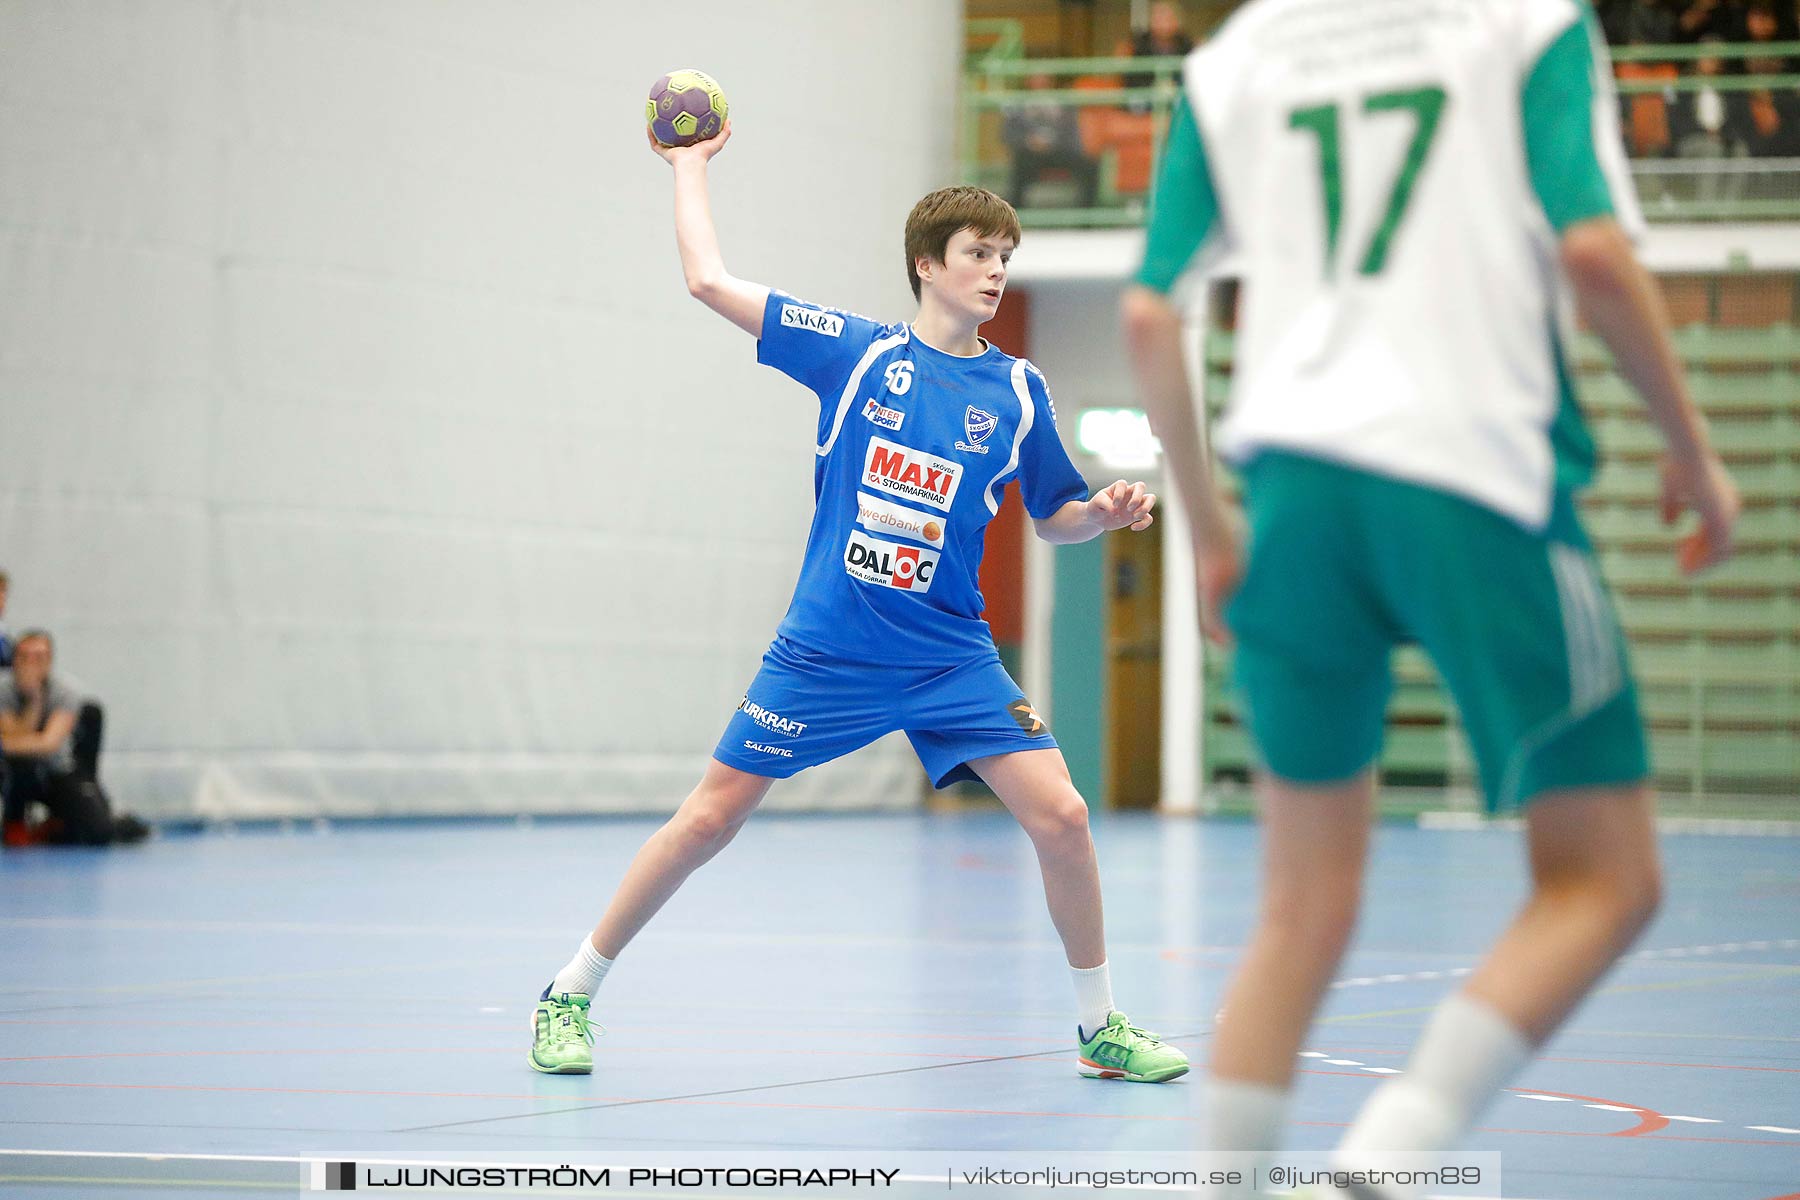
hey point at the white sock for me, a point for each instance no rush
(1467, 1054)
(584, 972)
(1243, 1117)
(1093, 997)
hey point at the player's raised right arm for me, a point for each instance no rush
(736, 300)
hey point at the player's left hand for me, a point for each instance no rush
(1122, 506)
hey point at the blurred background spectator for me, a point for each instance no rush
(1774, 112)
(1165, 34)
(1698, 20)
(1044, 136)
(51, 739)
(5, 637)
(1161, 36)
(1637, 22)
(1710, 122)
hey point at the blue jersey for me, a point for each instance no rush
(915, 447)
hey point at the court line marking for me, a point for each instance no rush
(179, 986)
(1668, 952)
(831, 1108)
(685, 937)
(1649, 1116)
(692, 937)
(701, 1097)
(1762, 975)
(950, 1059)
(308, 1051)
(758, 1088)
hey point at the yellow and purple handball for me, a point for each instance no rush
(685, 107)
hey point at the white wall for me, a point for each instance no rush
(357, 436)
(1076, 342)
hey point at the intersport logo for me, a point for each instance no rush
(884, 516)
(889, 564)
(795, 317)
(911, 474)
(887, 418)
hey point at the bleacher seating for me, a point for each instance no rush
(1717, 658)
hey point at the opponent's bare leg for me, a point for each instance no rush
(1596, 882)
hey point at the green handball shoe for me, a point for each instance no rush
(562, 1040)
(1120, 1050)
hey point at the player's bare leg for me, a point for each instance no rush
(1315, 840)
(1036, 788)
(704, 825)
(1596, 882)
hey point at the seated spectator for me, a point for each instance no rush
(1708, 122)
(1046, 135)
(1640, 22)
(1774, 112)
(52, 757)
(1163, 37)
(1645, 114)
(1699, 20)
(6, 649)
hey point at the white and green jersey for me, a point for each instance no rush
(1388, 178)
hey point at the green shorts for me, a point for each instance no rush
(1344, 565)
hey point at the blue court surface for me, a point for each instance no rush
(829, 984)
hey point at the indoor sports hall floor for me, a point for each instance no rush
(829, 983)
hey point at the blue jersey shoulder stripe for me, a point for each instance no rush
(876, 348)
(1026, 415)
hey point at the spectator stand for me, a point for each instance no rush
(1761, 181)
(1717, 658)
(1123, 127)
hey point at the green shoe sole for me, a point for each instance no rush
(1091, 1070)
(565, 1069)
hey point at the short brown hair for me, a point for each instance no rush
(937, 218)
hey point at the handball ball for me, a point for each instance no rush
(685, 107)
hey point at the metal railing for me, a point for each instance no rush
(1727, 184)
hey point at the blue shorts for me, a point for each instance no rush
(806, 707)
